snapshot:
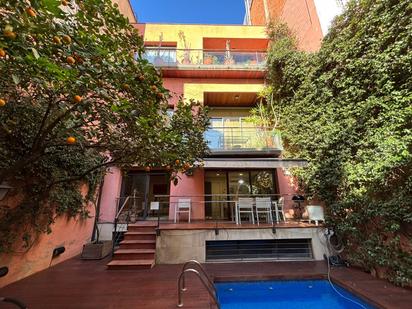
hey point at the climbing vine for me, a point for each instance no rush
(77, 96)
(347, 109)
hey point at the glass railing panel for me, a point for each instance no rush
(241, 138)
(173, 57)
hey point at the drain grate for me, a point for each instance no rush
(279, 249)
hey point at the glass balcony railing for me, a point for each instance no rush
(242, 139)
(169, 57)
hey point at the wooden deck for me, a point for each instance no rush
(87, 284)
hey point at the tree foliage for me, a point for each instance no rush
(78, 96)
(348, 110)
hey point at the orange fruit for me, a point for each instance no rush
(147, 168)
(154, 88)
(70, 60)
(71, 140)
(57, 40)
(64, 2)
(186, 166)
(67, 39)
(2, 53)
(141, 77)
(31, 12)
(9, 34)
(177, 162)
(2, 102)
(77, 98)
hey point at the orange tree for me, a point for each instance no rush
(76, 96)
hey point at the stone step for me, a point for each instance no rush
(141, 228)
(134, 254)
(138, 244)
(144, 235)
(130, 264)
(144, 224)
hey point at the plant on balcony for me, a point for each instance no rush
(208, 59)
(347, 109)
(186, 52)
(76, 97)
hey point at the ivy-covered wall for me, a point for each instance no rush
(348, 110)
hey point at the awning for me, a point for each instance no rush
(242, 163)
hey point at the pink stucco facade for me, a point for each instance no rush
(190, 187)
(110, 191)
(70, 233)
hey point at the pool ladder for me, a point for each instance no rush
(207, 283)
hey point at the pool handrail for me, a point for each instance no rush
(205, 284)
(202, 270)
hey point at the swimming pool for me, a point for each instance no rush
(284, 294)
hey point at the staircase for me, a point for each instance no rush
(137, 250)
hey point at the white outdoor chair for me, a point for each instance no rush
(245, 205)
(278, 209)
(264, 206)
(183, 206)
(315, 213)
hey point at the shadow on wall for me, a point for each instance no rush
(71, 234)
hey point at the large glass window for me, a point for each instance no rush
(224, 187)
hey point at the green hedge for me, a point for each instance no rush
(348, 110)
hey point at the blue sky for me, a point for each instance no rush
(189, 11)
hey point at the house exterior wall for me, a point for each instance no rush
(180, 246)
(190, 187)
(126, 9)
(195, 34)
(69, 233)
(300, 15)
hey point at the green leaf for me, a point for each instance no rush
(15, 78)
(35, 53)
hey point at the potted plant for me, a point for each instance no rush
(208, 59)
(186, 53)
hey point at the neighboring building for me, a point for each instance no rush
(126, 9)
(308, 19)
(224, 68)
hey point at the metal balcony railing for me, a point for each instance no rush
(170, 57)
(242, 139)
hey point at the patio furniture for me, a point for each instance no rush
(244, 205)
(278, 209)
(264, 206)
(183, 206)
(315, 213)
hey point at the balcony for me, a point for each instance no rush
(173, 60)
(243, 141)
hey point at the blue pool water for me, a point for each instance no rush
(311, 294)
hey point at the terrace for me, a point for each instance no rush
(87, 284)
(212, 62)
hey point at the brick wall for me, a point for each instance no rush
(300, 15)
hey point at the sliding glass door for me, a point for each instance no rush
(142, 188)
(224, 187)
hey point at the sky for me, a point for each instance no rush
(189, 11)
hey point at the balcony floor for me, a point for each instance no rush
(87, 284)
(211, 225)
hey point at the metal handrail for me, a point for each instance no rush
(202, 270)
(180, 290)
(121, 208)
